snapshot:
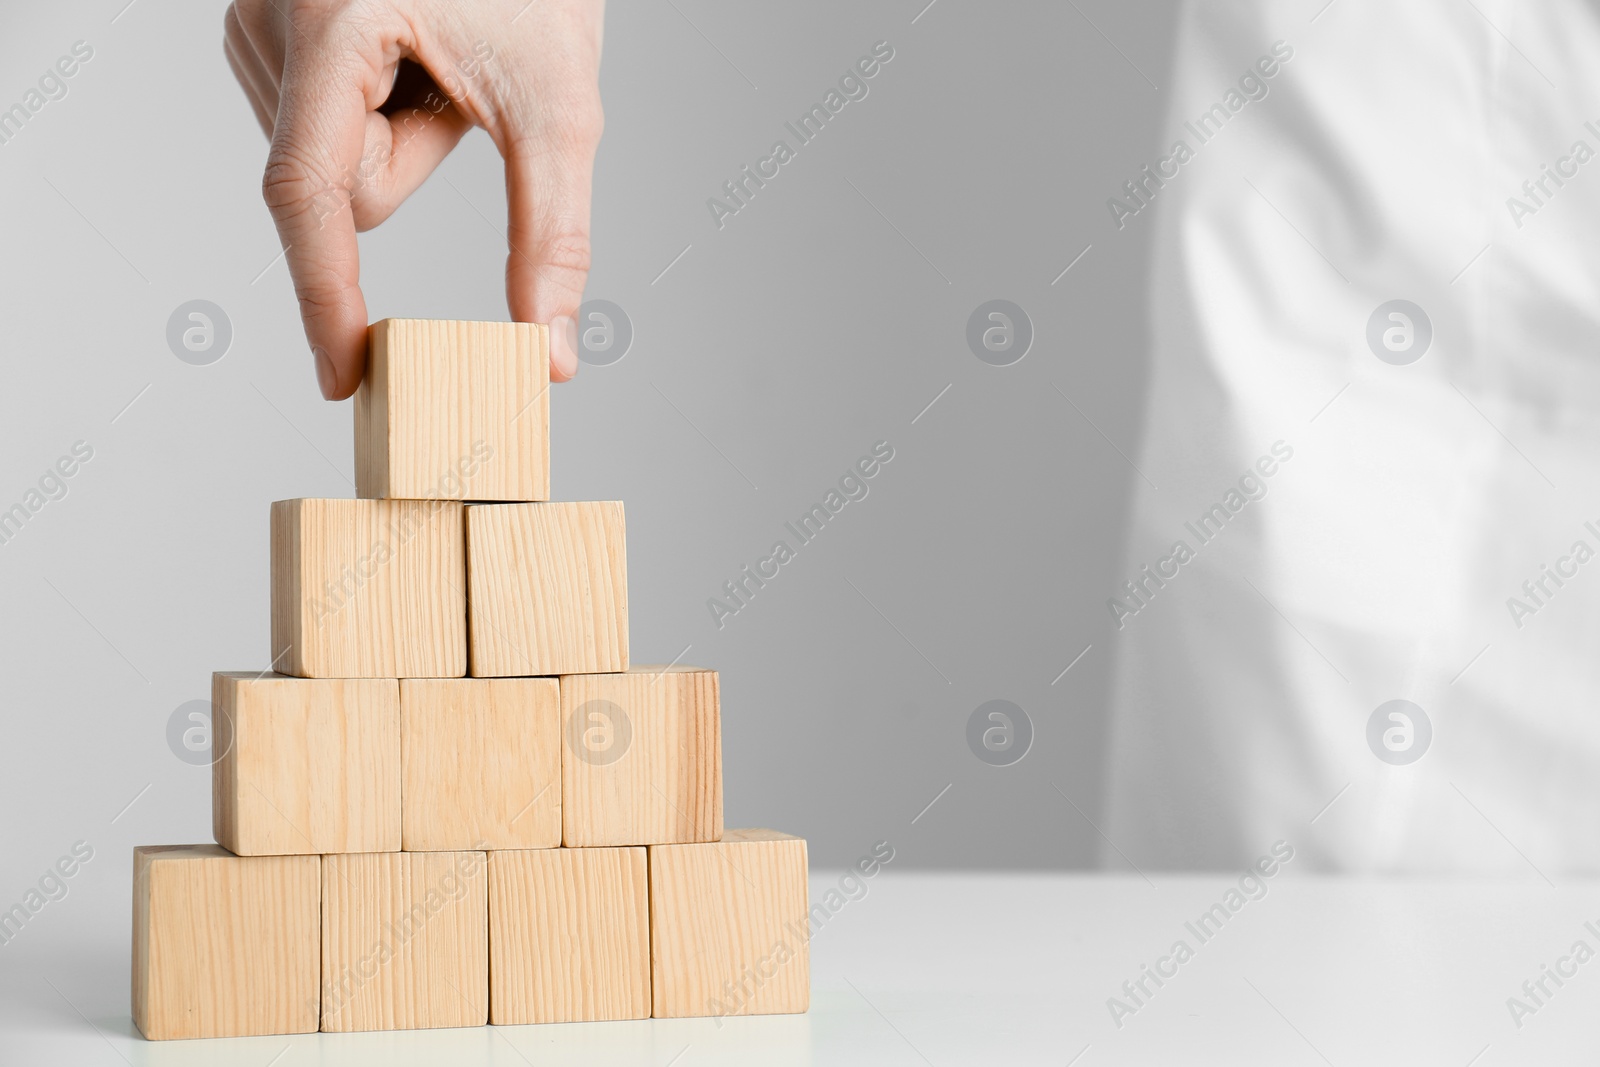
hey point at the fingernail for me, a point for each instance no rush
(327, 378)
(564, 345)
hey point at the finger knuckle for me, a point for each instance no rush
(290, 185)
(566, 249)
(318, 300)
(568, 127)
(322, 294)
(586, 121)
(254, 16)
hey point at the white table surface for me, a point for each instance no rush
(996, 969)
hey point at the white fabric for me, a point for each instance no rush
(1380, 560)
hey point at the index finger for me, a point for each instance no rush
(311, 172)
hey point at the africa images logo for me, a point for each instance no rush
(743, 186)
(1252, 86)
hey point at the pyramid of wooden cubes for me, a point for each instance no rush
(452, 800)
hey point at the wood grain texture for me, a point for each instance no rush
(548, 589)
(728, 933)
(454, 410)
(368, 589)
(569, 935)
(306, 765)
(223, 945)
(405, 941)
(482, 763)
(642, 763)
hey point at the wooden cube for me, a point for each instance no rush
(405, 941)
(454, 410)
(728, 926)
(569, 935)
(482, 763)
(223, 945)
(368, 589)
(643, 757)
(306, 765)
(548, 588)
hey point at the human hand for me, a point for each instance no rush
(362, 99)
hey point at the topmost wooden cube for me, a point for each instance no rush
(454, 410)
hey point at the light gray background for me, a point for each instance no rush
(823, 318)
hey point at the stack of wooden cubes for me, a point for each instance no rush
(453, 801)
